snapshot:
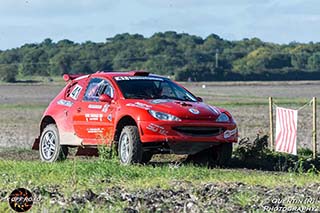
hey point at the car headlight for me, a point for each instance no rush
(163, 116)
(223, 117)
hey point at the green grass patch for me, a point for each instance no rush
(245, 198)
(83, 174)
(76, 176)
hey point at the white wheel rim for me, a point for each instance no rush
(48, 146)
(124, 148)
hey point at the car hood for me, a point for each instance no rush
(181, 109)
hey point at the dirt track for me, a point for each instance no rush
(187, 197)
(28, 93)
(21, 107)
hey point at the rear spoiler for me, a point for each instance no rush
(68, 77)
(139, 73)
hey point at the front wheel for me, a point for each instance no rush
(49, 147)
(130, 148)
(222, 154)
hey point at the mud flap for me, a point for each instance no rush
(36, 142)
(86, 151)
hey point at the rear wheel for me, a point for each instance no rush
(49, 147)
(130, 148)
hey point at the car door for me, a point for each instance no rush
(93, 119)
(66, 107)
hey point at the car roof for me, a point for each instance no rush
(121, 73)
(110, 74)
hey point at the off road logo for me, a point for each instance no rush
(194, 111)
(21, 200)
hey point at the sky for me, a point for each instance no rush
(279, 21)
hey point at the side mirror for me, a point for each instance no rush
(199, 99)
(105, 98)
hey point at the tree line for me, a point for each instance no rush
(179, 55)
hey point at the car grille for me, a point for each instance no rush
(200, 131)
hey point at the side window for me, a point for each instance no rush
(97, 87)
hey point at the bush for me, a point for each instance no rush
(256, 155)
(8, 73)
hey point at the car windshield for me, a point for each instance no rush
(144, 87)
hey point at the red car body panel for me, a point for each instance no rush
(83, 123)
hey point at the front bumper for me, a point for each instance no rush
(168, 131)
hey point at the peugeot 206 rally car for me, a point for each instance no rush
(139, 113)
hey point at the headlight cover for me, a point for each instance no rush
(223, 117)
(163, 116)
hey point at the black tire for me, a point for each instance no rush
(222, 154)
(146, 157)
(130, 148)
(202, 158)
(219, 155)
(48, 152)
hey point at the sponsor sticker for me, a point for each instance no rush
(105, 108)
(121, 78)
(94, 106)
(95, 130)
(127, 78)
(140, 105)
(159, 101)
(75, 92)
(109, 117)
(194, 111)
(157, 129)
(65, 103)
(94, 117)
(229, 133)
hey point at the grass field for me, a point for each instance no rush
(104, 185)
(96, 184)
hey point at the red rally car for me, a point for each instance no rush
(140, 113)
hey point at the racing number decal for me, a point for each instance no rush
(75, 92)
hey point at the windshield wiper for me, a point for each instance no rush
(173, 98)
(136, 96)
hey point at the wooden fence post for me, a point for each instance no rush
(271, 122)
(314, 128)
